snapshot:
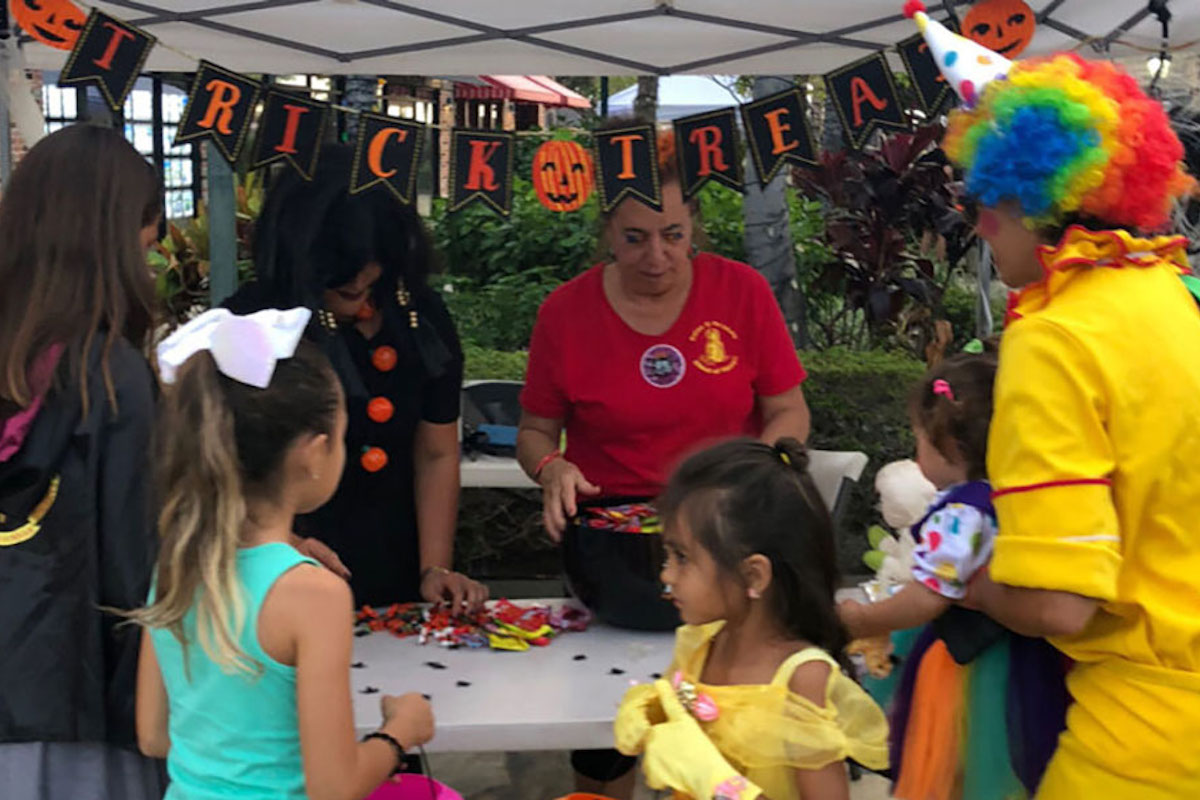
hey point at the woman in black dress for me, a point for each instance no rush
(360, 262)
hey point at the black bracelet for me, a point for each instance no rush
(387, 737)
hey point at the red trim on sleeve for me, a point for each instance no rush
(1034, 487)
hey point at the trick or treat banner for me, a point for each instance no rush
(706, 147)
(387, 152)
(864, 94)
(481, 169)
(777, 133)
(291, 129)
(627, 166)
(220, 107)
(261, 124)
(108, 54)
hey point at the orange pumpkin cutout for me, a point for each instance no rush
(56, 23)
(562, 175)
(1003, 26)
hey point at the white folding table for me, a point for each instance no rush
(484, 700)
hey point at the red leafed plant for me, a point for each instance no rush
(897, 233)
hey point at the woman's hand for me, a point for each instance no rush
(323, 554)
(408, 719)
(444, 586)
(562, 483)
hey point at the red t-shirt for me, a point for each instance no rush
(635, 405)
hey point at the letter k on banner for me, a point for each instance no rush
(481, 168)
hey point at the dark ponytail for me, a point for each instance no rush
(742, 498)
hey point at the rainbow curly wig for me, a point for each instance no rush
(1064, 136)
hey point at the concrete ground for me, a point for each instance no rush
(547, 776)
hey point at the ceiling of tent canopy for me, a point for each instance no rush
(586, 37)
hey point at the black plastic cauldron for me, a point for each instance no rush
(616, 575)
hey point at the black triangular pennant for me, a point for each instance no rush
(220, 106)
(627, 166)
(934, 93)
(864, 94)
(706, 145)
(290, 129)
(387, 151)
(109, 53)
(481, 168)
(777, 132)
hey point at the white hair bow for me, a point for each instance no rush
(245, 348)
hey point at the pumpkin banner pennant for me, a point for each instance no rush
(55, 23)
(627, 166)
(387, 151)
(481, 168)
(934, 93)
(1002, 26)
(220, 107)
(864, 94)
(562, 175)
(108, 53)
(706, 146)
(777, 132)
(290, 129)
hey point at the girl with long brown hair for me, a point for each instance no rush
(243, 684)
(76, 407)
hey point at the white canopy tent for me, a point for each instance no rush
(682, 95)
(583, 37)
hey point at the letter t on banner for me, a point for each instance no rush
(481, 168)
(109, 53)
(387, 151)
(777, 132)
(220, 107)
(627, 166)
(706, 146)
(290, 129)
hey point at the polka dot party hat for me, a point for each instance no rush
(966, 65)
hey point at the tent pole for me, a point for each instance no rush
(603, 96)
(222, 228)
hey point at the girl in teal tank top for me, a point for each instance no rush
(243, 682)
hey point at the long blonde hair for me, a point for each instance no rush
(220, 442)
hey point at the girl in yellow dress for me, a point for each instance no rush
(756, 703)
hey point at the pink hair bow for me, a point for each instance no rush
(942, 388)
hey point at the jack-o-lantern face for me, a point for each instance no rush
(1003, 26)
(562, 175)
(52, 22)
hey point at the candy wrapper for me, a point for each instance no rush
(501, 625)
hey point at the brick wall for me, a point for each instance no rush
(19, 145)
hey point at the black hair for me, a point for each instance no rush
(742, 498)
(315, 235)
(952, 405)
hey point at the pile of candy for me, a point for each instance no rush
(628, 518)
(501, 625)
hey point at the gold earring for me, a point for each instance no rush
(327, 319)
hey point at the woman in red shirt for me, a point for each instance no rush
(644, 359)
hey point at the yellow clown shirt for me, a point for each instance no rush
(1094, 455)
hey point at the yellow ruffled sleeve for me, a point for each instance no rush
(767, 727)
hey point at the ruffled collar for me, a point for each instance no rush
(1083, 248)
